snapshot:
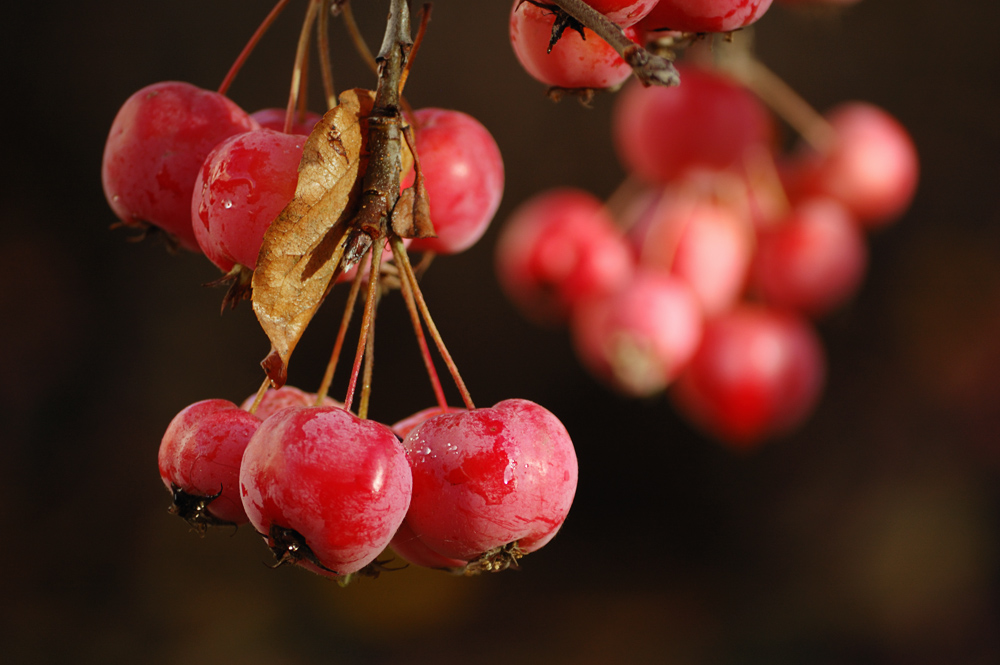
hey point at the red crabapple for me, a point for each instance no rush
(871, 167)
(199, 461)
(573, 61)
(243, 185)
(758, 373)
(706, 15)
(490, 484)
(707, 122)
(157, 144)
(286, 395)
(641, 337)
(464, 176)
(403, 427)
(704, 243)
(623, 12)
(274, 118)
(811, 261)
(405, 543)
(326, 489)
(558, 249)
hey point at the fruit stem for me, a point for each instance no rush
(782, 99)
(649, 68)
(338, 345)
(366, 321)
(301, 56)
(356, 37)
(245, 53)
(425, 17)
(260, 394)
(418, 330)
(399, 251)
(323, 46)
(366, 381)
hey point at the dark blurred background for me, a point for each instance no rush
(869, 536)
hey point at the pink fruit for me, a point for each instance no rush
(199, 461)
(641, 337)
(558, 249)
(705, 244)
(492, 483)
(463, 173)
(706, 15)
(707, 122)
(326, 489)
(871, 167)
(623, 12)
(243, 185)
(275, 119)
(285, 396)
(157, 144)
(757, 374)
(811, 261)
(574, 61)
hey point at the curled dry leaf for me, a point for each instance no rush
(302, 248)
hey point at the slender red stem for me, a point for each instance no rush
(366, 381)
(425, 351)
(359, 41)
(338, 345)
(245, 53)
(301, 55)
(425, 17)
(260, 395)
(323, 46)
(366, 321)
(399, 252)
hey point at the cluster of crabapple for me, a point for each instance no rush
(705, 272)
(191, 164)
(463, 489)
(455, 489)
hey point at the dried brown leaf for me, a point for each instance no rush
(302, 248)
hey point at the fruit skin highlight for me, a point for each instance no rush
(489, 478)
(326, 489)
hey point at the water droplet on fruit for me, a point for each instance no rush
(227, 204)
(508, 472)
(426, 450)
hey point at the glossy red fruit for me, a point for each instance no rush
(707, 122)
(558, 249)
(757, 374)
(199, 461)
(811, 261)
(706, 15)
(623, 12)
(285, 396)
(405, 542)
(275, 119)
(704, 243)
(326, 489)
(157, 144)
(871, 167)
(490, 484)
(574, 61)
(464, 176)
(641, 337)
(243, 185)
